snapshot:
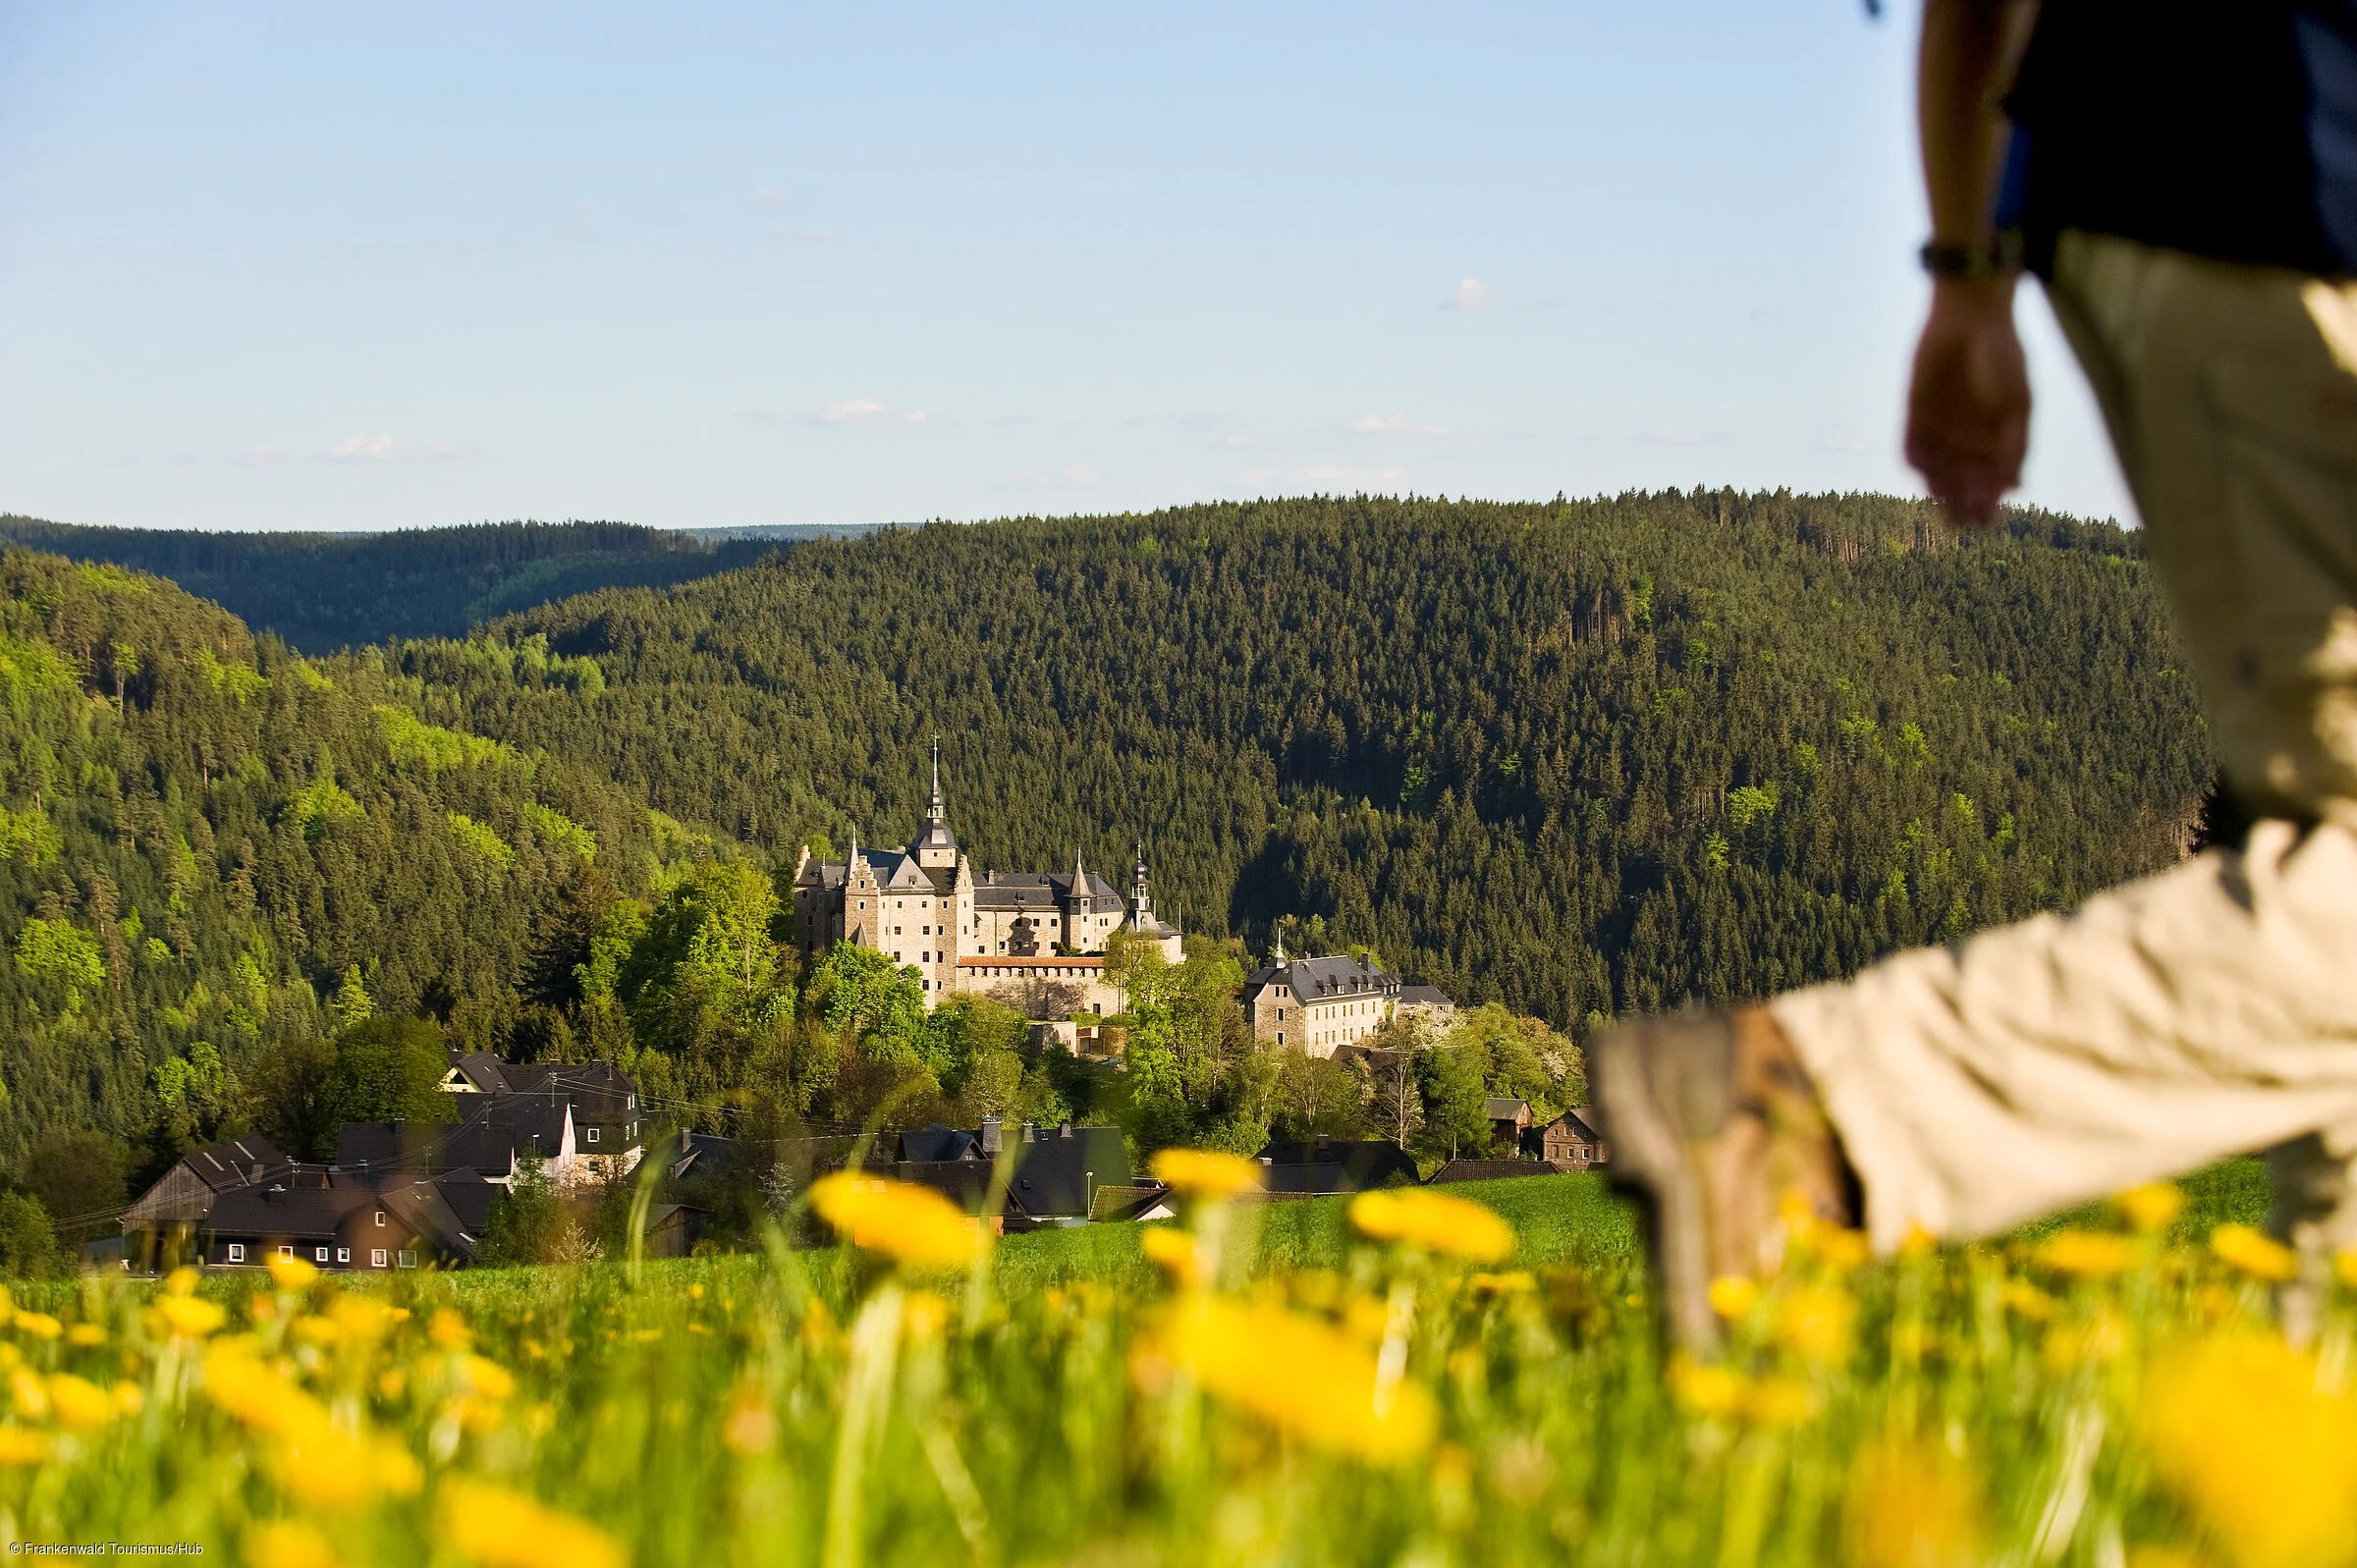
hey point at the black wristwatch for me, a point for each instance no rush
(1999, 257)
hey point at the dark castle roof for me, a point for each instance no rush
(1324, 979)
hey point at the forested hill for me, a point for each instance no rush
(212, 851)
(1580, 757)
(323, 591)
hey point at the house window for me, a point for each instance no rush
(592, 1134)
(236, 1252)
(287, 1253)
(407, 1258)
(376, 1258)
(343, 1255)
(318, 1255)
(380, 1216)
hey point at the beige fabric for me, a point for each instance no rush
(2211, 1009)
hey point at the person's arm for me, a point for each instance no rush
(1968, 409)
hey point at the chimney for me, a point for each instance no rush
(1030, 1132)
(1065, 1131)
(991, 1134)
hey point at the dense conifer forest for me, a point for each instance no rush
(1565, 759)
(319, 592)
(1575, 757)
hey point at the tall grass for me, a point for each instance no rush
(1313, 1397)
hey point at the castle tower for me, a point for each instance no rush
(935, 847)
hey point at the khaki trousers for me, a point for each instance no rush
(2211, 1009)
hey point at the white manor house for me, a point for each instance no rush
(966, 932)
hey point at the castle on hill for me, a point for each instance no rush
(1003, 932)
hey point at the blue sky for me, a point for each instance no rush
(294, 265)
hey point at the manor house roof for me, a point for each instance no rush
(1324, 979)
(1037, 890)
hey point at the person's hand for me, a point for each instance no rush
(1968, 410)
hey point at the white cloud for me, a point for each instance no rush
(868, 413)
(382, 447)
(1396, 423)
(1471, 294)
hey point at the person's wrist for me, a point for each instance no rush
(1987, 293)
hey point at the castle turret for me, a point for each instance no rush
(935, 845)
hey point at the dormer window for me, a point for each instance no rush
(590, 1135)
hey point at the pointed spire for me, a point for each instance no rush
(1280, 958)
(938, 811)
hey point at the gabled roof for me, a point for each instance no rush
(1362, 1164)
(424, 1207)
(482, 1069)
(1572, 1122)
(1425, 997)
(938, 1142)
(1039, 889)
(1327, 978)
(236, 1161)
(491, 1134)
(1505, 1107)
(310, 1213)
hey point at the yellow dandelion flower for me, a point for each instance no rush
(924, 1315)
(79, 1402)
(1436, 1221)
(2087, 1254)
(390, 1383)
(40, 1325)
(181, 1282)
(1780, 1403)
(289, 1543)
(292, 1273)
(129, 1398)
(2153, 1208)
(8, 1303)
(1515, 1282)
(448, 1329)
(502, 1529)
(1912, 1505)
(362, 1318)
(1300, 1377)
(2026, 1299)
(2239, 1429)
(86, 1336)
(914, 1225)
(313, 1329)
(2344, 1266)
(487, 1379)
(1734, 1296)
(188, 1316)
(1172, 1250)
(240, 1383)
(21, 1447)
(1708, 1389)
(1206, 1173)
(2259, 1256)
(29, 1393)
(1815, 1323)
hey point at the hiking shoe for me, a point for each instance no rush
(1714, 1127)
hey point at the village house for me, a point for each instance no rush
(1319, 1006)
